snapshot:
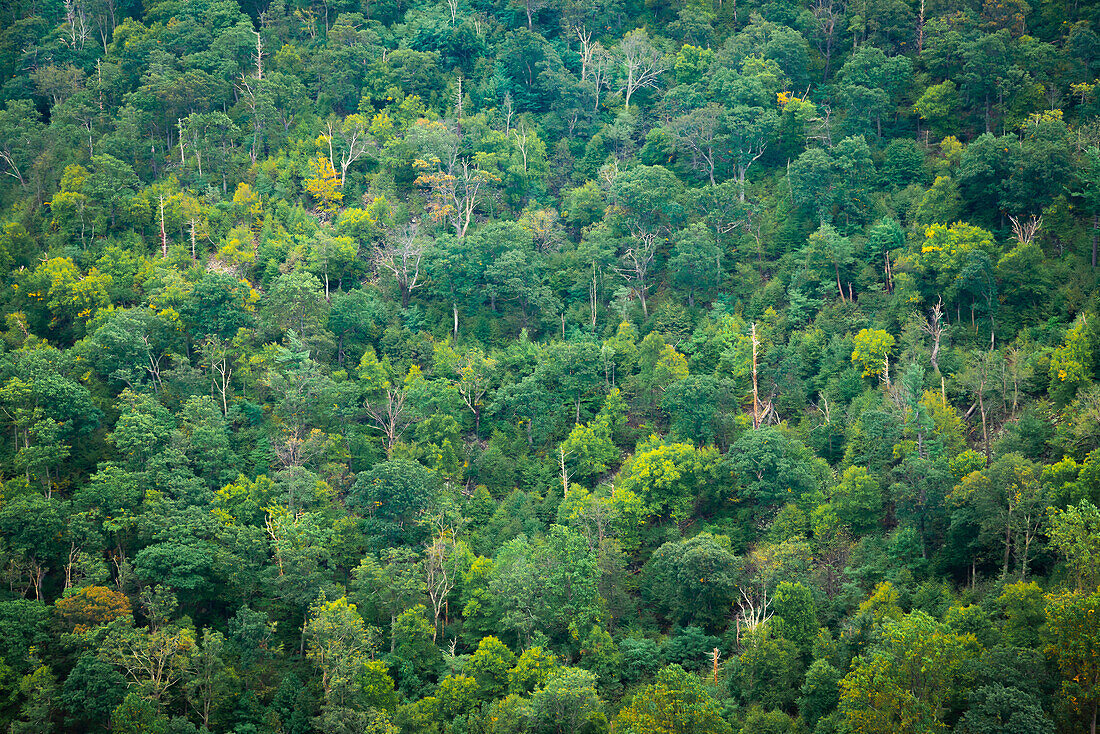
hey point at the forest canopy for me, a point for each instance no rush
(531, 366)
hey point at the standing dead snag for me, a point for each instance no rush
(755, 384)
(1025, 231)
(933, 326)
(640, 62)
(439, 570)
(454, 193)
(636, 262)
(754, 611)
(400, 254)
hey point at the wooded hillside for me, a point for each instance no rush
(501, 366)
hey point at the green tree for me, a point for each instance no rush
(1072, 645)
(489, 665)
(768, 670)
(1010, 503)
(794, 616)
(872, 349)
(908, 681)
(669, 477)
(996, 708)
(676, 702)
(820, 692)
(568, 702)
(21, 133)
(338, 642)
(695, 267)
(395, 496)
(693, 581)
(1075, 533)
(91, 691)
(389, 585)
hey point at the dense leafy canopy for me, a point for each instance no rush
(546, 366)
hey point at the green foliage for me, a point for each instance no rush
(669, 477)
(768, 670)
(693, 581)
(338, 642)
(677, 701)
(872, 350)
(601, 334)
(1076, 534)
(1070, 636)
(909, 679)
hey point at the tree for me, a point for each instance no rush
(768, 669)
(38, 690)
(826, 247)
(389, 585)
(1010, 502)
(1089, 174)
(995, 708)
(209, 683)
(338, 643)
(489, 665)
(31, 526)
(111, 185)
(588, 450)
(474, 375)
(696, 263)
(751, 129)
(91, 606)
(794, 616)
(156, 659)
(396, 496)
(332, 257)
(454, 191)
(699, 132)
(670, 478)
(91, 691)
(907, 682)
(386, 397)
(138, 715)
(322, 185)
(20, 138)
(640, 63)
(772, 468)
(693, 581)
(870, 84)
(938, 105)
(872, 352)
(568, 702)
(676, 702)
(534, 667)
(549, 586)
(419, 657)
(296, 302)
(1075, 533)
(820, 692)
(856, 500)
(442, 569)
(1073, 646)
(205, 133)
(400, 254)
(348, 138)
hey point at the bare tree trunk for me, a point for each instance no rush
(163, 234)
(755, 386)
(564, 473)
(985, 427)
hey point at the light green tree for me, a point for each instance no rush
(339, 643)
